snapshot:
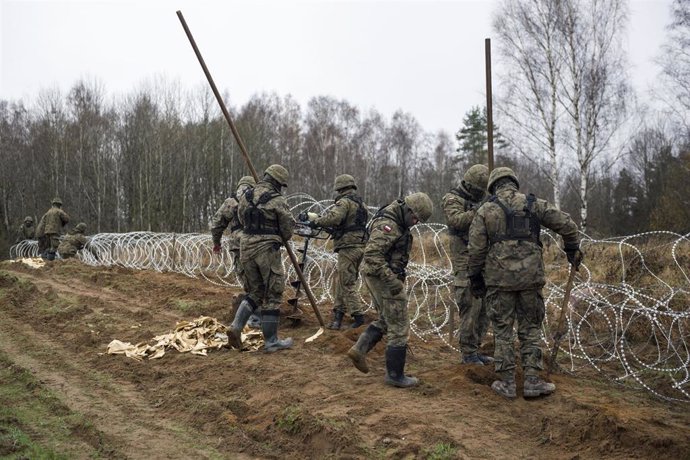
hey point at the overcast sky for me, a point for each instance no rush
(424, 57)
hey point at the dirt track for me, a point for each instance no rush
(308, 402)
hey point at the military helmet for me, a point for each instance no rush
(28, 219)
(344, 181)
(279, 173)
(56, 200)
(80, 227)
(477, 177)
(500, 173)
(420, 204)
(246, 180)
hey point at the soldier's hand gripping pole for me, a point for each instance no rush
(561, 322)
(247, 160)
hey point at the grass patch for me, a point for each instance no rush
(441, 451)
(34, 423)
(290, 420)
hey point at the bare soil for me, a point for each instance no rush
(308, 402)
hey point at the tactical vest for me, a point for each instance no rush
(467, 199)
(256, 222)
(360, 222)
(520, 225)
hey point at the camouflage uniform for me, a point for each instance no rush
(385, 259)
(267, 222)
(51, 227)
(459, 206)
(514, 274)
(72, 242)
(26, 231)
(347, 220)
(227, 217)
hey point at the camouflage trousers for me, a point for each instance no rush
(527, 308)
(263, 273)
(474, 322)
(392, 309)
(239, 271)
(51, 242)
(346, 295)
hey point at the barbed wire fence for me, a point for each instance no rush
(628, 316)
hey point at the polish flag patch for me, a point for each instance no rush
(387, 229)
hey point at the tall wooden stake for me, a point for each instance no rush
(489, 105)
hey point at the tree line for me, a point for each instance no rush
(161, 158)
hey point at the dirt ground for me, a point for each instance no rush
(308, 402)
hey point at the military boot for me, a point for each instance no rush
(505, 388)
(485, 359)
(242, 314)
(472, 358)
(395, 368)
(534, 386)
(358, 320)
(366, 341)
(269, 327)
(337, 320)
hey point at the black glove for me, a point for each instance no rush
(572, 251)
(302, 216)
(477, 285)
(312, 224)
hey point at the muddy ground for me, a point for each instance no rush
(308, 402)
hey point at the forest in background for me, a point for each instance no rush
(162, 157)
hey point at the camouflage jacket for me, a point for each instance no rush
(71, 243)
(276, 215)
(53, 221)
(459, 208)
(388, 249)
(342, 218)
(25, 233)
(226, 216)
(508, 264)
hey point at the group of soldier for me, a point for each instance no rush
(496, 255)
(49, 233)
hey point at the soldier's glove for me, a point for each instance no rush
(312, 224)
(477, 285)
(216, 248)
(302, 216)
(395, 285)
(572, 251)
(311, 216)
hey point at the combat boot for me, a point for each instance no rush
(269, 327)
(485, 359)
(366, 341)
(534, 386)
(395, 368)
(505, 388)
(337, 320)
(244, 311)
(472, 358)
(358, 320)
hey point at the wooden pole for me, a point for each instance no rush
(489, 105)
(247, 160)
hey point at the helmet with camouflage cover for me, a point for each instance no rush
(420, 204)
(476, 177)
(279, 173)
(344, 181)
(500, 173)
(246, 180)
(57, 201)
(28, 220)
(80, 227)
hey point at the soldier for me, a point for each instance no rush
(385, 259)
(459, 206)
(504, 243)
(347, 223)
(26, 230)
(73, 241)
(50, 228)
(226, 216)
(267, 222)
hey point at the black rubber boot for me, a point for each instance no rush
(254, 321)
(395, 368)
(337, 320)
(269, 326)
(472, 358)
(366, 341)
(358, 320)
(242, 314)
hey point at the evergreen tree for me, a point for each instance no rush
(472, 139)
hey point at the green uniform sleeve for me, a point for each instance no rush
(383, 235)
(286, 223)
(478, 244)
(335, 215)
(558, 221)
(456, 216)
